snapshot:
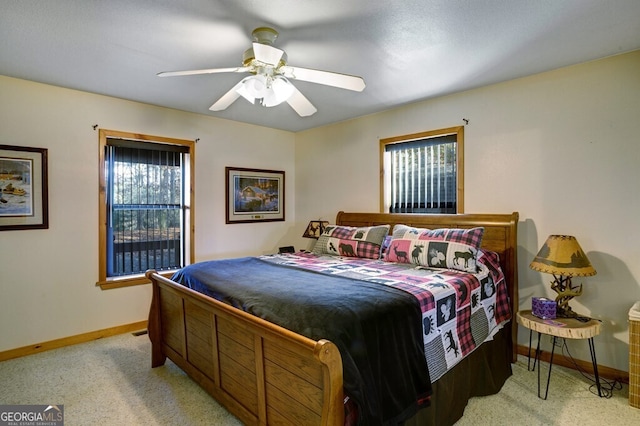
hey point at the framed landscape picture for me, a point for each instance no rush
(254, 195)
(23, 188)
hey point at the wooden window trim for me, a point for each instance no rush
(138, 279)
(458, 131)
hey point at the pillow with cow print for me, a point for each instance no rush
(364, 241)
(435, 248)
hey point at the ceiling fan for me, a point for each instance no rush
(269, 84)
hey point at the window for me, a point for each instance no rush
(146, 199)
(423, 172)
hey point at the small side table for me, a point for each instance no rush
(566, 328)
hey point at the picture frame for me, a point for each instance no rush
(254, 195)
(315, 228)
(24, 194)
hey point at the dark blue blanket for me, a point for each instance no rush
(377, 328)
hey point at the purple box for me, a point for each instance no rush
(543, 308)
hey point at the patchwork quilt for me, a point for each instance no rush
(460, 310)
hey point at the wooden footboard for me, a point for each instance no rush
(262, 373)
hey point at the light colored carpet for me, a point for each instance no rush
(110, 381)
(570, 401)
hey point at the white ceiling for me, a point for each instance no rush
(406, 50)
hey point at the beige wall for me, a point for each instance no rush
(561, 148)
(47, 277)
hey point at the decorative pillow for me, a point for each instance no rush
(438, 248)
(352, 241)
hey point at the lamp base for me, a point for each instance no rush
(565, 313)
(566, 292)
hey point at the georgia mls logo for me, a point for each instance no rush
(31, 415)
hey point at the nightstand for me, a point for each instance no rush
(565, 328)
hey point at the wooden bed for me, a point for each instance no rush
(265, 374)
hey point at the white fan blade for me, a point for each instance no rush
(343, 81)
(267, 54)
(207, 71)
(227, 99)
(300, 104)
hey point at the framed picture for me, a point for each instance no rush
(254, 195)
(315, 228)
(24, 199)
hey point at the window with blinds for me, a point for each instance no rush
(146, 203)
(144, 207)
(421, 173)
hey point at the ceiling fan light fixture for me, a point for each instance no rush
(253, 87)
(267, 91)
(279, 92)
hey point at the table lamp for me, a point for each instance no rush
(315, 228)
(562, 256)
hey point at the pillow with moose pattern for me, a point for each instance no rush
(435, 248)
(364, 241)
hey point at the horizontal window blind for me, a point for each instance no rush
(423, 175)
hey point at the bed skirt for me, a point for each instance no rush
(482, 373)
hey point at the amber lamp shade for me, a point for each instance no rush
(315, 228)
(562, 256)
